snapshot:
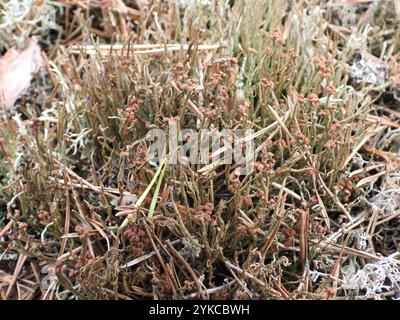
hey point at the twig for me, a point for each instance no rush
(145, 257)
(160, 259)
(211, 290)
(335, 199)
(6, 228)
(303, 238)
(258, 281)
(17, 270)
(189, 268)
(146, 49)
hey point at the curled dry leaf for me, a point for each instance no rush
(16, 70)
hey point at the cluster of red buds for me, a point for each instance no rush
(302, 138)
(266, 83)
(222, 95)
(330, 90)
(165, 283)
(126, 63)
(335, 129)
(242, 231)
(31, 123)
(22, 226)
(137, 237)
(223, 69)
(89, 257)
(234, 181)
(328, 293)
(293, 55)
(300, 98)
(333, 133)
(344, 188)
(197, 214)
(277, 36)
(59, 268)
(208, 113)
(82, 231)
(85, 259)
(318, 228)
(183, 82)
(180, 68)
(313, 99)
(221, 295)
(242, 110)
(186, 84)
(289, 234)
(323, 68)
(247, 201)
(215, 78)
(205, 211)
(324, 112)
(189, 285)
(191, 86)
(240, 294)
(44, 216)
(131, 110)
(330, 144)
(75, 271)
(267, 162)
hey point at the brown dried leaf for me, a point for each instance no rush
(16, 70)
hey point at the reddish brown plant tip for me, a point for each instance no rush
(313, 99)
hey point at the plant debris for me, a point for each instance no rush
(90, 209)
(16, 70)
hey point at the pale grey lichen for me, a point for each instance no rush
(369, 281)
(191, 248)
(387, 202)
(20, 19)
(368, 71)
(374, 278)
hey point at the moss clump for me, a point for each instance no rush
(82, 197)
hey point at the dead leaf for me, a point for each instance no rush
(16, 70)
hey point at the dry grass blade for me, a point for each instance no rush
(18, 267)
(304, 217)
(139, 49)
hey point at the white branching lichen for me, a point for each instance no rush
(387, 202)
(374, 278)
(20, 19)
(369, 281)
(369, 72)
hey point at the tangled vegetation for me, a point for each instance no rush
(84, 215)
